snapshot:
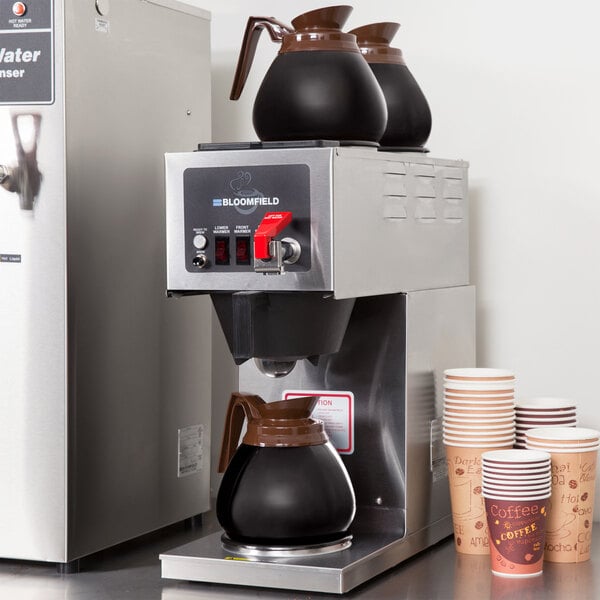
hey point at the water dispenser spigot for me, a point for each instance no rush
(25, 178)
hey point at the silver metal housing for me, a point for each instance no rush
(102, 377)
(399, 220)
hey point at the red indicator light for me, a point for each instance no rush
(221, 251)
(19, 9)
(242, 250)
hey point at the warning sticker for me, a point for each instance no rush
(190, 450)
(336, 410)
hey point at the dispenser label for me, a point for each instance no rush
(336, 410)
(190, 450)
(26, 52)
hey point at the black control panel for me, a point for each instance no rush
(26, 52)
(223, 206)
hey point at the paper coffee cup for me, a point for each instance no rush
(468, 509)
(517, 529)
(571, 511)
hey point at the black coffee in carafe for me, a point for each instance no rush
(409, 116)
(318, 87)
(285, 484)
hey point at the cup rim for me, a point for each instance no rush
(482, 421)
(479, 373)
(484, 426)
(547, 402)
(487, 411)
(517, 476)
(508, 440)
(460, 394)
(510, 457)
(480, 446)
(564, 434)
(545, 413)
(491, 487)
(483, 400)
(469, 390)
(487, 493)
(478, 436)
(538, 471)
(565, 449)
(550, 423)
(515, 499)
(582, 444)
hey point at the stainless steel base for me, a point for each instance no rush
(206, 560)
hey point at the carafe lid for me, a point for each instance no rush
(374, 42)
(320, 29)
(281, 424)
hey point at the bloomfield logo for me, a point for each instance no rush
(245, 198)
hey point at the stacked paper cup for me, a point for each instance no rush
(516, 488)
(478, 416)
(543, 412)
(574, 452)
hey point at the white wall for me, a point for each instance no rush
(514, 87)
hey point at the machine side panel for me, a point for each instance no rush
(440, 334)
(401, 221)
(32, 293)
(138, 84)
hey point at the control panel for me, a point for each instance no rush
(26, 52)
(247, 218)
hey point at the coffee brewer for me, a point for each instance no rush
(339, 272)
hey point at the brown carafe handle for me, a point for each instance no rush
(254, 27)
(241, 406)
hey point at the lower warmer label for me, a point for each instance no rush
(190, 442)
(336, 410)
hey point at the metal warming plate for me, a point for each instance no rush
(205, 560)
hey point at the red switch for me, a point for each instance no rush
(272, 224)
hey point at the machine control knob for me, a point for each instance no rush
(272, 224)
(200, 241)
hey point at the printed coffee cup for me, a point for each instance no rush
(468, 509)
(569, 535)
(517, 529)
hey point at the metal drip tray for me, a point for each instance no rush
(257, 551)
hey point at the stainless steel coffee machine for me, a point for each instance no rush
(340, 272)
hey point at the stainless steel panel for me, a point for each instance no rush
(89, 451)
(394, 225)
(399, 220)
(33, 413)
(140, 364)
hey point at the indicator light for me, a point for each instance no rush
(19, 9)
(242, 250)
(221, 251)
